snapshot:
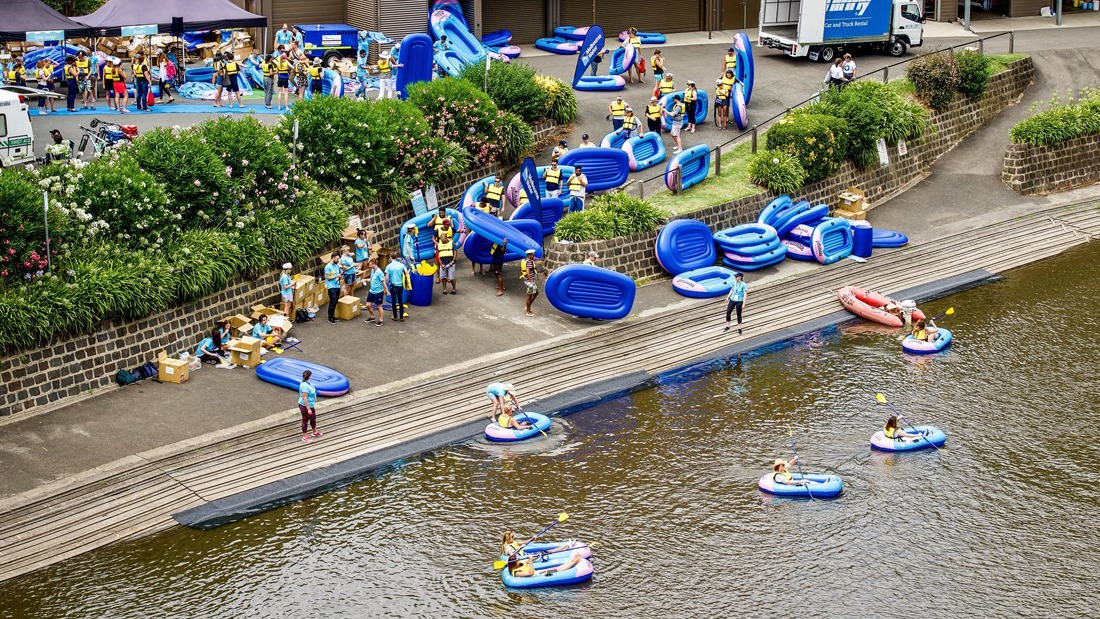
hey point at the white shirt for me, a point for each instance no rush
(579, 192)
(587, 145)
(849, 68)
(836, 72)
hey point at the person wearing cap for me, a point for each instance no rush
(721, 104)
(552, 178)
(385, 76)
(578, 187)
(301, 73)
(586, 143)
(781, 475)
(496, 392)
(676, 118)
(653, 115)
(315, 74)
(531, 279)
(70, 83)
(592, 258)
(735, 300)
(122, 97)
(62, 150)
(729, 63)
(691, 100)
(43, 74)
(657, 61)
(630, 124)
(617, 109)
(560, 149)
(444, 239)
(494, 193)
(665, 86)
(286, 290)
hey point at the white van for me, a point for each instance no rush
(16, 134)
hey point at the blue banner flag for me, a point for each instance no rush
(593, 44)
(529, 180)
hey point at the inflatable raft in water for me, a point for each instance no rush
(930, 436)
(820, 486)
(868, 304)
(495, 433)
(914, 346)
(578, 573)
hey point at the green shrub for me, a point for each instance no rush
(131, 203)
(255, 156)
(778, 170)
(872, 111)
(23, 227)
(194, 178)
(1060, 122)
(936, 78)
(512, 86)
(609, 216)
(815, 139)
(515, 136)
(562, 108)
(975, 69)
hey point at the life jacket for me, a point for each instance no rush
(731, 61)
(630, 123)
(786, 475)
(483, 207)
(690, 95)
(315, 73)
(383, 65)
(231, 68)
(284, 67)
(653, 111)
(889, 432)
(82, 68)
(13, 74)
(141, 69)
(657, 62)
(728, 82)
(446, 243)
(618, 109)
(636, 41)
(678, 110)
(666, 86)
(575, 183)
(494, 192)
(505, 420)
(553, 176)
(512, 549)
(109, 74)
(921, 335)
(266, 68)
(722, 91)
(437, 222)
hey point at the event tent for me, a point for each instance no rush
(197, 15)
(23, 16)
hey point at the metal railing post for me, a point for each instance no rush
(679, 180)
(641, 190)
(718, 161)
(1011, 41)
(885, 74)
(981, 46)
(754, 127)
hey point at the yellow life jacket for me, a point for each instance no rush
(83, 64)
(657, 62)
(505, 420)
(690, 95)
(109, 73)
(315, 73)
(494, 192)
(728, 81)
(920, 334)
(483, 207)
(139, 70)
(231, 68)
(575, 183)
(678, 110)
(630, 123)
(553, 176)
(13, 74)
(889, 432)
(266, 68)
(653, 111)
(446, 243)
(786, 475)
(618, 109)
(722, 91)
(667, 86)
(731, 61)
(284, 67)
(522, 197)
(636, 41)
(383, 65)
(437, 222)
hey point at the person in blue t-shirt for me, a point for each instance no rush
(736, 300)
(332, 283)
(362, 248)
(376, 295)
(283, 37)
(347, 269)
(362, 66)
(395, 275)
(307, 402)
(286, 290)
(262, 330)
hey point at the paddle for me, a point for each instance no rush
(807, 484)
(882, 400)
(950, 311)
(497, 565)
(531, 421)
(562, 517)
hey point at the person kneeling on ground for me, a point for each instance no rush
(208, 351)
(782, 476)
(264, 332)
(891, 429)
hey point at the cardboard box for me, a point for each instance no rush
(263, 310)
(348, 307)
(172, 370)
(849, 214)
(853, 200)
(245, 352)
(241, 323)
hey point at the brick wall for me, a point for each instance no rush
(1031, 170)
(77, 366)
(633, 255)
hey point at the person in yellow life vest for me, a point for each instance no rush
(658, 63)
(781, 475)
(721, 104)
(920, 331)
(282, 81)
(578, 188)
(691, 101)
(507, 419)
(484, 207)
(445, 254)
(552, 177)
(109, 85)
(520, 563)
(315, 77)
(386, 84)
(653, 115)
(267, 67)
(560, 149)
(141, 82)
(666, 85)
(617, 109)
(232, 69)
(638, 67)
(494, 193)
(728, 79)
(43, 75)
(218, 77)
(17, 73)
(892, 431)
(84, 79)
(729, 63)
(630, 124)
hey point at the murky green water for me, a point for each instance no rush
(1001, 523)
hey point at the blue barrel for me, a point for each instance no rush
(421, 289)
(862, 235)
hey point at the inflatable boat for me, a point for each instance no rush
(888, 238)
(712, 281)
(557, 45)
(740, 108)
(914, 346)
(573, 33)
(424, 246)
(820, 486)
(538, 422)
(287, 372)
(930, 436)
(647, 38)
(684, 245)
(578, 573)
(600, 82)
(552, 211)
(693, 164)
(416, 57)
(832, 240)
(590, 292)
(515, 185)
(478, 249)
(615, 139)
(621, 60)
(644, 151)
(745, 235)
(746, 65)
(868, 304)
(606, 168)
(496, 231)
(702, 106)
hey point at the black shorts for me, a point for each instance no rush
(498, 266)
(231, 84)
(376, 298)
(492, 203)
(552, 187)
(315, 86)
(283, 82)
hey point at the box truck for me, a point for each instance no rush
(821, 30)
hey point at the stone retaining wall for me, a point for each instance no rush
(1031, 170)
(633, 255)
(79, 366)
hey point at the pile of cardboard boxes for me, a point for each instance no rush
(851, 204)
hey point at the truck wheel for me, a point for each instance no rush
(330, 59)
(897, 48)
(826, 54)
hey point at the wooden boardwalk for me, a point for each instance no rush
(137, 496)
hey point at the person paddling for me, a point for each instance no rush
(507, 420)
(892, 431)
(782, 476)
(520, 563)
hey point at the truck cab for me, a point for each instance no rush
(821, 30)
(16, 133)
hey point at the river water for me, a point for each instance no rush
(1000, 523)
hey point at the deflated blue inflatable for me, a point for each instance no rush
(590, 292)
(685, 245)
(496, 231)
(888, 238)
(712, 281)
(574, 33)
(287, 372)
(694, 165)
(478, 249)
(701, 107)
(552, 210)
(644, 151)
(746, 66)
(600, 82)
(425, 246)
(416, 62)
(832, 240)
(606, 168)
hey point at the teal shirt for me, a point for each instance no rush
(737, 293)
(332, 275)
(306, 392)
(208, 344)
(362, 250)
(348, 264)
(286, 285)
(260, 330)
(377, 281)
(396, 272)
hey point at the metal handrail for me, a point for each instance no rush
(716, 152)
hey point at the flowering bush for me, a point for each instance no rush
(562, 107)
(512, 86)
(131, 204)
(460, 113)
(23, 227)
(778, 170)
(196, 181)
(817, 141)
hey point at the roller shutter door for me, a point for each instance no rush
(525, 18)
(647, 15)
(363, 14)
(306, 12)
(400, 18)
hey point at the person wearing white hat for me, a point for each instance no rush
(782, 476)
(691, 100)
(286, 290)
(496, 392)
(530, 279)
(386, 83)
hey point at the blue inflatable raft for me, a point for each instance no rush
(557, 45)
(745, 235)
(578, 573)
(450, 62)
(416, 62)
(287, 372)
(694, 165)
(888, 238)
(701, 107)
(539, 424)
(606, 168)
(615, 139)
(803, 213)
(573, 33)
(514, 187)
(647, 38)
(600, 82)
(832, 240)
(463, 42)
(746, 65)
(475, 193)
(712, 281)
(478, 249)
(621, 60)
(930, 436)
(552, 211)
(685, 245)
(644, 151)
(774, 209)
(496, 231)
(914, 346)
(740, 108)
(590, 292)
(820, 486)
(425, 244)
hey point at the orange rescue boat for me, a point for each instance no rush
(868, 304)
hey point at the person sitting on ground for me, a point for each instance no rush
(560, 149)
(263, 331)
(782, 476)
(225, 333)
(208, 351)
(507, 419)
(496, 393)
(920, 331)
(892, 431)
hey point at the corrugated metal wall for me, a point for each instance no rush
(399, 18)
(306, 12)
(525, 18)
(363, 14)
(646, 15)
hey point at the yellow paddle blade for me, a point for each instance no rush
(499, 565)
(950, 311)
(881, 398)
(790, 431)
(562, 517)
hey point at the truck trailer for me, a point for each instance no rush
(821, 30)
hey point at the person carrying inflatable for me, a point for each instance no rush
(493, 193)
(782, 476)
(639, 61)
(617, 109)
(892, 431)
(496, 393)
(729, 63)
(721, 104)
